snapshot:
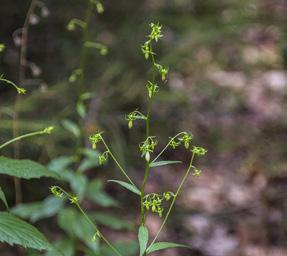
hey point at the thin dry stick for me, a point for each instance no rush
(22, 69)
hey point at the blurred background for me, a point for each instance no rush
(227, 85)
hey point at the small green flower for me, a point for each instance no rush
(95, 139)
(103, 157)
(56, 191)
(148, 146)
(155, 33)
(162, 71)
(196, 172)
(48, 130)
(135, 115)
(152, 89)
(74, 199)
(2, 47)
(146, 50)
(186, 139)
(21, 90)
(199, 151)
(174, 144)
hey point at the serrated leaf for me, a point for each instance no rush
(3, 198)
(161, 163)
(162, 246)
(71, 127)
(143, 239)
(128, 186)
(39, 210)
(16, 231)
(25, 169)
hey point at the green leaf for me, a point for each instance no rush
(16, 231)
(39, 210)
(75, 224)
(63, 247)
(25, 169)
(111, 221)
(128, 186)
(95, 192)
(3, 198)
(163, 245)
(71, 127)
(161, 163)
(143, 239)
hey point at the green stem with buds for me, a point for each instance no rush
(45, 131)
(74, 200)
(174, 199)
(116, 161)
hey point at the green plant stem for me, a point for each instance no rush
(83, 53)
(147, 167)
(98, 232)
(116, 161)
(166, 146)
(174, 199)
(22, 137)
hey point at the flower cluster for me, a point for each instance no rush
(162, 71)
(185, 138)
(148, 146)
(56, 191)
(103, 157)
(152, 89)
(155, 33)
(154, 201)
(95, 139)
(135, 115)
(199, 151)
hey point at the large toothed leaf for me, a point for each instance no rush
(161, 163)
(143, 239)
(3, 198)
(162, 246)
(128, 186)
(15, 231)
(25, 169)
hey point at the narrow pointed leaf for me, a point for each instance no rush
(3, 198)
(143, 239)
(128, 186)
(25, 169)
(16, 231)
(161, 163)
(162, 246)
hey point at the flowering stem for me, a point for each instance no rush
(174, 198)
(116, 161)
(165, 148)
(74, 200)
(22, 137)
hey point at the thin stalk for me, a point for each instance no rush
(147, 167)
(83, 58)
(22, 137)
(22, 67)
(116, 161)
(174, 199)
(98, 232)
(83, 53)
(166, 146)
